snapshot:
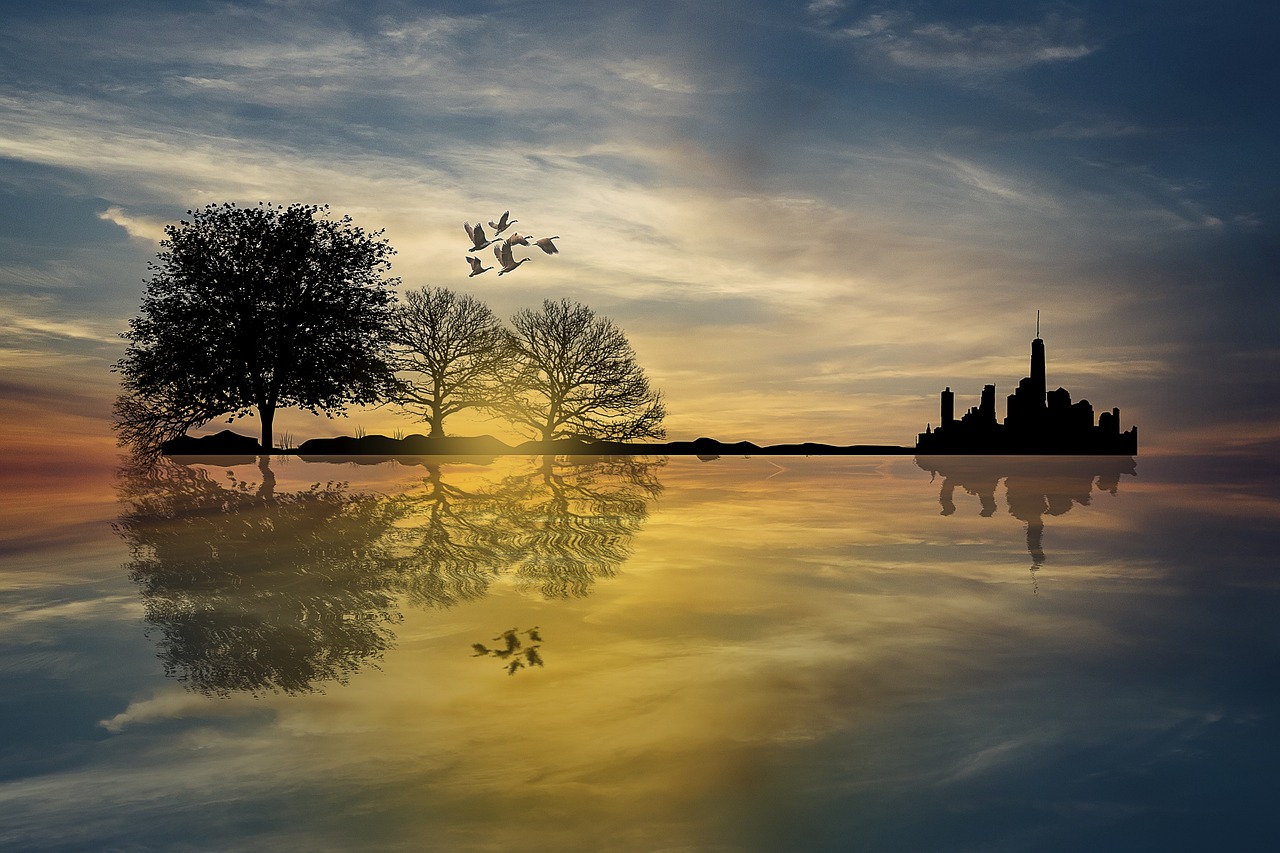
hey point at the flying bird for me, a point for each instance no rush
(503, 223)
(476, 234)
(503, 254)
(518, 239)
(545, 244)
(476, 268)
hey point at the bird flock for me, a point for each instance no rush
(502, 247)
(511, 661)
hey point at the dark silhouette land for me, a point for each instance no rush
(1036, 423)
(227, 443)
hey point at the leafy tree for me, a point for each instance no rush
(260, 307)
(453, 350)
(578, 376)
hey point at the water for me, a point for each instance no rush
(738, 654)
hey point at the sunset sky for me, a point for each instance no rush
(808, 217)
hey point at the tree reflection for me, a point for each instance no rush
(571, 523)
(255, 590)
(258, 591)
(1034, 487)
(454, 544)
(554, 529)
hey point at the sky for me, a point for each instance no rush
(808, 217)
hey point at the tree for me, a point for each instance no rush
(260, 307)
(578, 377)
(453, 349)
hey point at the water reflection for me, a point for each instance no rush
(571, 524)
(254, 589)
(455, 544)
(514, 653)
(1034, 487)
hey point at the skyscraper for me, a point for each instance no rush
(1038, 387)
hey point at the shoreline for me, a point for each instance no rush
(227, 443)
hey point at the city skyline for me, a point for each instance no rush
(1037, 421)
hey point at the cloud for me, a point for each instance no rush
(991, 183)
(825, 10)
(177, 704)
(46, 320)
(148, 228)
(979, 49)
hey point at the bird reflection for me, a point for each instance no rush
(1034, 487)
(254, 590)
(513, 653)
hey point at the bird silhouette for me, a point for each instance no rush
(476, 268)
(518, 239)
(545, 244)
(503, 254)
(503, 223)
(532, 656)
(476, 233)
(481, 649)
(513, 642)
(534, 636)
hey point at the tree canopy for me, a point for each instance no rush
(257, 307)
(452, 354)
(578, 377)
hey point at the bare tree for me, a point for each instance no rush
(578, 376)
(451, 352)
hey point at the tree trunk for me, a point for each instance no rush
(437, 424)
(268, 416)
(267, 491)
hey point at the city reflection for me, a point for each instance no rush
(248, 588)
(1034, 486)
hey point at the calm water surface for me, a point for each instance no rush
(739, 654)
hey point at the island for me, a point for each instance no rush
(1037, 423)
(228, 443)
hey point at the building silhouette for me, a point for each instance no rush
(1037, 422)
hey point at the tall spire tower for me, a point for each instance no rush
(1038, 387)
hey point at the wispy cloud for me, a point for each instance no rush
(148, 228)
(989, 182)
(993, 48)
(825, 10)
(177, 704)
